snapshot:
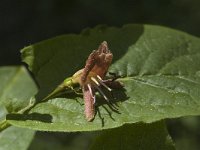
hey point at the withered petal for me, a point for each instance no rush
(89, 99)
(98, 62)
(88, 66)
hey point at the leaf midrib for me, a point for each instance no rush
(141, 80)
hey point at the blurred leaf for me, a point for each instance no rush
(14, 138)
(62, 141)
(160, 69)
(3, 112)
(15, 91)
(16, 88)
(185, 132)
(187, 143)
(139, 136)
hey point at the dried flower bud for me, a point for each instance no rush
(91, 78)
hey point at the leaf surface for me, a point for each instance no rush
(159, 67)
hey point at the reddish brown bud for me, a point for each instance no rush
(89, 103)
(91, 77)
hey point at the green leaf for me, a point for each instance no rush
(139, 136)
(14, 138)
(160, 69)
(16, 88)
(15, 91)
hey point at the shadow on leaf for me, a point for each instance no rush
(33, 116)
(114, 97)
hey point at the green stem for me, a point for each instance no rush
(67, 84)
(4, 124)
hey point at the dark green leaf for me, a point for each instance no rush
(185, 132)
(62, 141)
(139, 136)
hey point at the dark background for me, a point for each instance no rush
(24, 22)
